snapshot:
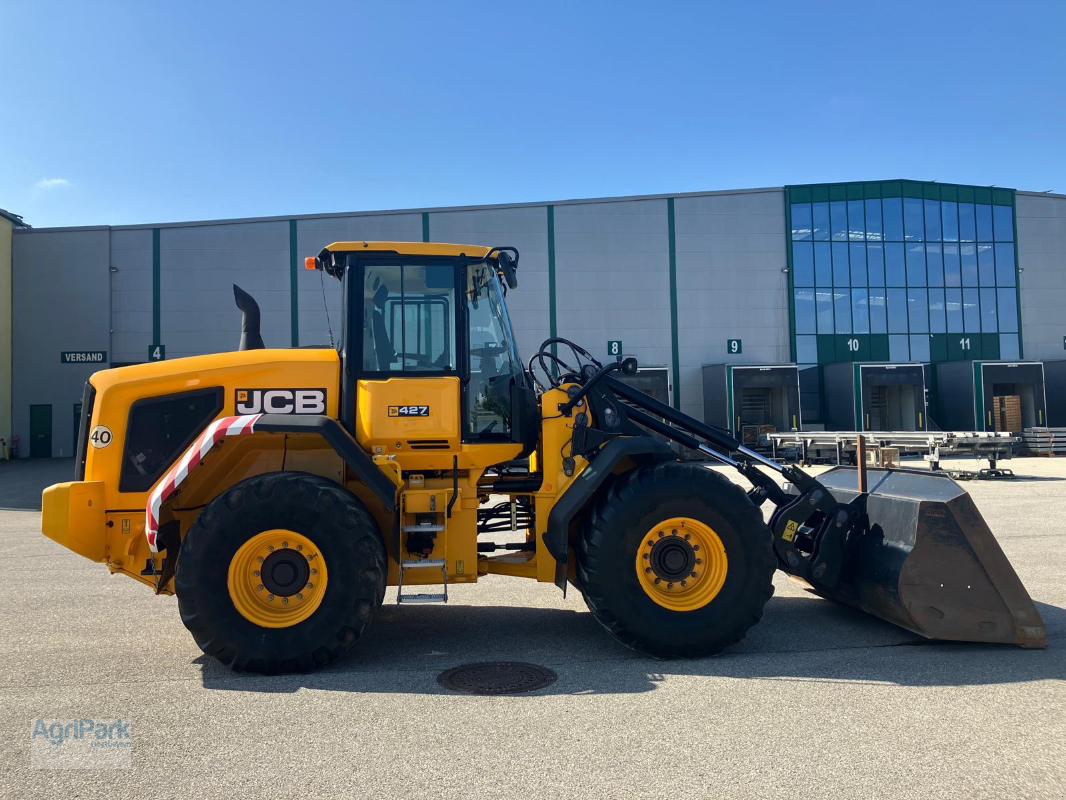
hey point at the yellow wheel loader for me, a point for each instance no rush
(277, 492)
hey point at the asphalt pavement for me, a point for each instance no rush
(819, 700)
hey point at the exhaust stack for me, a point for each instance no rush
(251, 339)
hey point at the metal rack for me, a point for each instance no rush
(843, 444)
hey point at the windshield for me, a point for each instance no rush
(493, 356)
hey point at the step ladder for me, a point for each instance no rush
(441, 597)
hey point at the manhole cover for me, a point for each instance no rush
(496, 677)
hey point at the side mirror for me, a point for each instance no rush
(629, 366)
(506, 266)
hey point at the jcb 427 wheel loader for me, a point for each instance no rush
(278, 492)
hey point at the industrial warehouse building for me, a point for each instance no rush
(869, 274)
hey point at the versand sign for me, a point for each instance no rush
(280, 401)
(408, 411)
(83, 357)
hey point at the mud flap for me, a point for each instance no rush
(926, 561)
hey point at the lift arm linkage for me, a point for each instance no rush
(810, 528)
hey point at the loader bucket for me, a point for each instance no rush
(927, 562)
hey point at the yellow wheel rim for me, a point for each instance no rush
(681, 564)
(277, 579)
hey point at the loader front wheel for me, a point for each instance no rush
(676, 561)
(280, 573)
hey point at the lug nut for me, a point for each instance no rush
(647, 569)
(284, 544)
(684, 583)
(299, 547)
(299, 596)
(256, 573)
(695, 547)
(270, 549)
(259, 587)
(661, 534)
(646, 556)
(658, 581)
(699, 560)
(673, 532)
(693, 575)
(688, 536)
(310, 586)
(284, 600)
(314, 572)
(669, 586)
(260, 559)
(270, 597)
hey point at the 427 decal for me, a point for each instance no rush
(408, 411)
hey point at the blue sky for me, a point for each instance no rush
(154, 112)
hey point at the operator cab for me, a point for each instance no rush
(428, 345)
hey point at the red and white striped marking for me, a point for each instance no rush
(212, 435)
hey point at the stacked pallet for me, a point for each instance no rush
(1008, 412)
(1044, 441)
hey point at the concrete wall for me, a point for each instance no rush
(314, 234)
(5, 331)
(131, 295)
(730, 284)
(1041, 245)
(612, 268)
(198, 267)
(525, 228)
(61, 302)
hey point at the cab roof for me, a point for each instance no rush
(411, 248)
(329, 261)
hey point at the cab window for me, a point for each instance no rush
(409, 318)
(493, 358)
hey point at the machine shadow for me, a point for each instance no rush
(800, 638)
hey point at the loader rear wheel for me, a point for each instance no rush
(280, 573)
(676, 561)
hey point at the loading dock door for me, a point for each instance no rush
(1013, 396)
(893, 398)
(41, 431)
(764, 398)
(653, 381)
(765, 406)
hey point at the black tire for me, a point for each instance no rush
(617, 528)
(348, 539)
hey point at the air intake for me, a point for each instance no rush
(428, 444)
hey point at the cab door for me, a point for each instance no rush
(408, 382)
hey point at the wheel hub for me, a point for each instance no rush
(285, 572)
(672, 558)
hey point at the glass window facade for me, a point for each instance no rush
(905, 269)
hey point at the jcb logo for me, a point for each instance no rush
(280, 401)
